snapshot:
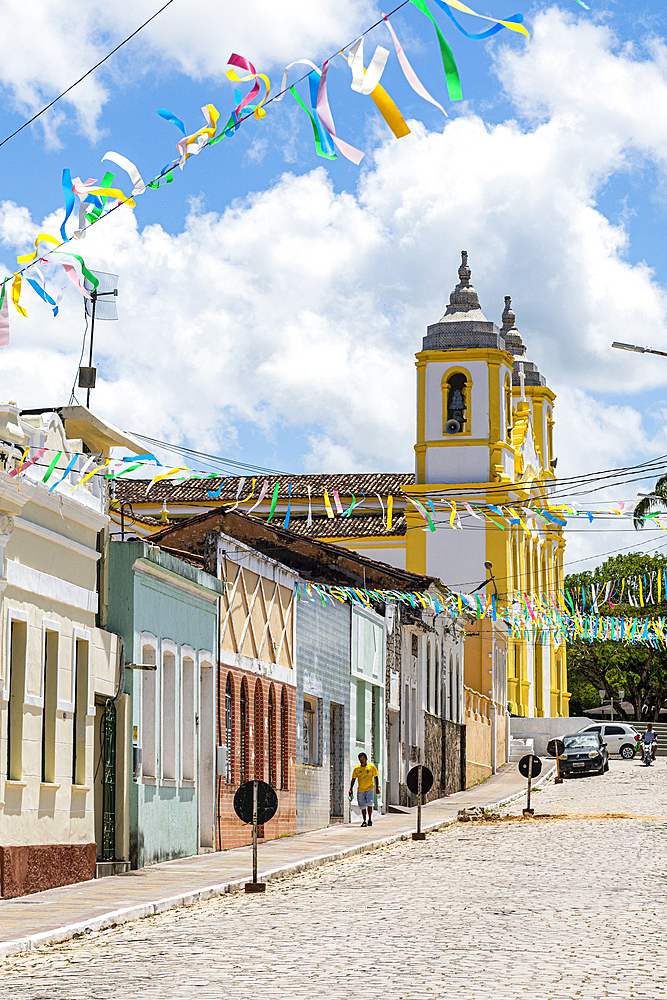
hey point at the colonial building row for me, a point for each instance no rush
(159, 650)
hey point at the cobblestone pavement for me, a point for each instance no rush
(549, 909)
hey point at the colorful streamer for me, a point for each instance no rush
(408, 71)
(324, 114)
(448, 62)
(514, 23)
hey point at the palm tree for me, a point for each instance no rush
(658, 498)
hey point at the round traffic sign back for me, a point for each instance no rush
(555, 748)
(412, 779)
(524, 764)
(267, 802)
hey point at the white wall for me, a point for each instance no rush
(478, 406)
(456, 556)
(458, 464)
(392, 556)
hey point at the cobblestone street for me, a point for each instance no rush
(554, 909)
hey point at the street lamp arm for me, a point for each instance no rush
(638, 350)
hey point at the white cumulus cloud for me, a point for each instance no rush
(298, 309)
(45, 51)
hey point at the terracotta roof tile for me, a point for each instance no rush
(197, 490)
(363, 526)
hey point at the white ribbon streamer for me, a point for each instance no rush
(365, 81)
(129, 168)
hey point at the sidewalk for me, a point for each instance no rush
(58, 914)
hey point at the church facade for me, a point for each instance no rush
(485, 438)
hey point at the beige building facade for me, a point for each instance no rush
(58, 666)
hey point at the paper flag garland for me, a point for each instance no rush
(98, 199)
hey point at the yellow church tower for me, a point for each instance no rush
(484, 439)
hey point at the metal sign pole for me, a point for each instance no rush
(528, 811)
(419, 835)
(92, 331)
(254, 832)
(255, 800)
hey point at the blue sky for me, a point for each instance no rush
(271, 301)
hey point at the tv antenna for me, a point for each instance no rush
(100, 305)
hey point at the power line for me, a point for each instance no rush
(91, 70)
(178, 449)
(166, 170)
(612, 553)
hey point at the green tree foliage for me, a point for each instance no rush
(641, 672)
(657, 501)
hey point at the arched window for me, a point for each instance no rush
(457, 386)
(259, 732)
(272, 737)
(284, 750)
(508, 408)
(244, 732)
(229, 726)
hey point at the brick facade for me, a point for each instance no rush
(230, 831)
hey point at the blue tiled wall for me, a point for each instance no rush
(323, 671)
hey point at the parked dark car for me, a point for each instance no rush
(584, 753)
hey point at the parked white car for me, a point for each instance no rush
(620, 737)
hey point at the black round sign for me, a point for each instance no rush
(413, 779)
(267, 802)
(524, 764)
(555, 748)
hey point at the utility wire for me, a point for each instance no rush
(600, 555)
(165, 170)
(91, 70)
(206, 456)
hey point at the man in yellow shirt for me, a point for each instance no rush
(365, 773)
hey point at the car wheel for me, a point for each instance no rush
(627, 752)
(606, 767)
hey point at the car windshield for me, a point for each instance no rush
(581, 741)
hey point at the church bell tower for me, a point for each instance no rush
(464, 393)
(484, 465)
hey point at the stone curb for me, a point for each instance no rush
(115, 918)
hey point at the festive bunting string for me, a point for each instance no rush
(97, 200)
(570, 628)
(512, 515)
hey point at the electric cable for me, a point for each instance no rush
(181, 450)
(599, 555)
(82, 78)
(165, 170)
(83, 348)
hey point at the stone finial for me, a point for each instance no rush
(509, 318)
(464, 298)
(513, 342)
(464, 270)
